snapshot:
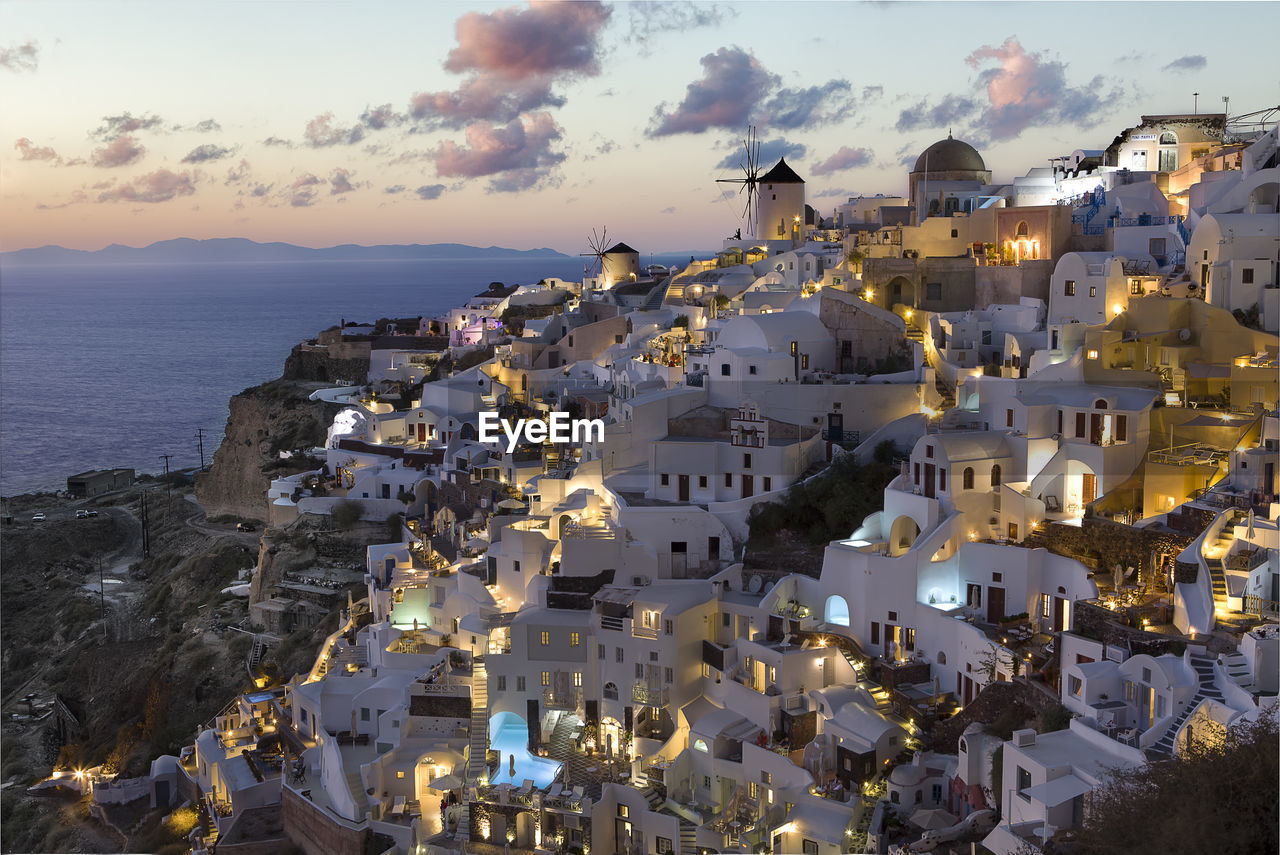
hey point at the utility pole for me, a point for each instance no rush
(168, 485)
(146, 533)
(200, 440)
(1195, 104)
(102, 598)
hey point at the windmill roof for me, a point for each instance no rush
(781, 174)
(621, 247)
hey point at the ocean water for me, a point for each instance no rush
(105, 366)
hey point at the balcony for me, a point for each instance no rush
(643, 632)
(562, 699)
(649, 695)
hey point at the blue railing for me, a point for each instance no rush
(1143, 220)
(1183, 232)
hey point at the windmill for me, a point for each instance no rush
(598, 244)
(750, 165)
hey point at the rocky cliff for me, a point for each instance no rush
(263, 421)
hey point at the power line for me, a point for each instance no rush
(200, 440)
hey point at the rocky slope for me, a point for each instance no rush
(263, 421)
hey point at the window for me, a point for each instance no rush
(804, 359)
(928, 451)
(619, 655)
(1069, 288)
(910, 640)
(639, 671)
(664, 845)
(399, 773)
(520, 684)
(794, 348)
(893, 796)
(955, 233)
(706, 670)
(624, 811)
(706, 779)
(668, 675)
(364, 713)
(600, 651)
(1122, 428)
(1246, 276)
(664, 479)
(515, 566)
(942, 478)
(968, 478)
(575, 639)
(702, 482)
(746, 461)
(1080, 422)
(1024, 783)
(937, 793)
(1135, 287)
(875, 632)
(728, 479)
(751, 369)
(1093, 290)
(995, 475)
(668, 627)
(933, 291)
(768, 483)
(893, 616)
(577, 679)
(546, 678)
(1045, 605)
(916, 473)
(919, 796)
(1076, 685)
(725, 619)
(810, 847)
(546, 638)
(997, 577)
(724, 370)
(1008, 418)
(502, 683)
(942, 658)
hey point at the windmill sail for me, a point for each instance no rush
(597, 244)
(750, 165)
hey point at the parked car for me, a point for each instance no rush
(38, 518)
(246, 527)
(82, 515)
(91, 513)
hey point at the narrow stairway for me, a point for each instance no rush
(1203, 665)
(478, 748)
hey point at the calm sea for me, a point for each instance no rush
(115, 365)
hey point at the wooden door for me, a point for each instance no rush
(995, 604)
(683, 481)
(929, 480)
(1059, 614)
(1089, 488)
(748, 486)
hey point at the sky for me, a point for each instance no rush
(529, 125)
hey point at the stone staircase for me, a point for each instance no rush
(1203, 665)
(357, 788)
(688, 838)
(653, 797)
(1217, 571)
(478, 748)
(1238, 670)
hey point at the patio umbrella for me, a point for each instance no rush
(1249, 533)
(446, 782)
(479, 544)
(932, 818)
(511, 504)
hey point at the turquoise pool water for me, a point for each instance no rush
(508, 735)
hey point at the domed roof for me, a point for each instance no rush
(950, 155)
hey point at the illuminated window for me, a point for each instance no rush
(1091, 354)
(700, 745)
(400, 774)
(1069, 288)
(1045, 605)
(968, 478)
(575, 639)
(546, 638)
(577, 679)
(546, 678)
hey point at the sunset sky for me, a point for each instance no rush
(526, 126)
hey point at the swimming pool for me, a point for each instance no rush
(508, 734)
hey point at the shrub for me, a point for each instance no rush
(346, 514)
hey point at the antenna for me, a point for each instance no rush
(598, 243)
(750, 165)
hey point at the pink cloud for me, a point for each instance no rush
(340, 182)
(519, 153)
(24, 57)
(545, 38)
(159, 186)
(845, 158)
(321, 132)
(28, 150)
(121, 151)
(485, 97)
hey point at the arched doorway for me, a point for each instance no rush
(902, 534)
(901, 291)
(837, 611)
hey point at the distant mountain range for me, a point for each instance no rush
(189, 250)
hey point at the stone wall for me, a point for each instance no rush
(326, 365)
(1100, 543)
(317, 833)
